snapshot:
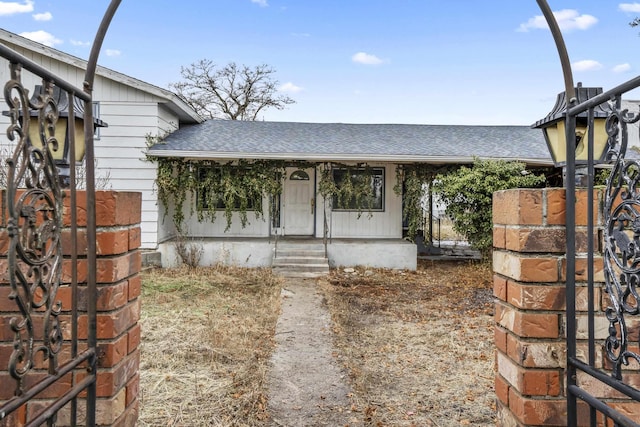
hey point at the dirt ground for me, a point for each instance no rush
(411, 348)
(418, 346)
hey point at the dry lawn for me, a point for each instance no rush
(206, 342)
(418, 346)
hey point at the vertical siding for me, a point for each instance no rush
(256, 227)
(387, 224)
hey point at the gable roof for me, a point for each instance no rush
(172, 101)
(440, 144)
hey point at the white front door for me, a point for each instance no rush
(299, 202)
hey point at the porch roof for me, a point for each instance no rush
(440, 144)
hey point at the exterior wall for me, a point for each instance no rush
(118, 313)
(120, 153)
(132, 115)
(374, 225)
(386, 224)
(400, 254)
(529, 262)
(258, 252)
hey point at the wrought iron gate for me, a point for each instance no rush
(49, 315)
(614, 360)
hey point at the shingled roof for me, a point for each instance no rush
(230, 139)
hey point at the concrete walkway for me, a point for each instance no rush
(306, 385)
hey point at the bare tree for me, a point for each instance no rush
(235, 92)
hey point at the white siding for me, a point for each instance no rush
(256, 227)
(120, 151)
(131, 115)
(386, 224)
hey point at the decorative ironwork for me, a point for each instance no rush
(621, 240)
(34, 203)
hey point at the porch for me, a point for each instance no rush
(259, 252)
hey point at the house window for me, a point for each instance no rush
(373, 178)
(299, 175)
(205, 196)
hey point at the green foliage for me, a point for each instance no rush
(412, 182)
(353, 190)
(240, 186)
(468, 193)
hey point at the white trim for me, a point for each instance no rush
(318, 157)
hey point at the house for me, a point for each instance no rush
(368, 231)
(368, 234)
(133, 111)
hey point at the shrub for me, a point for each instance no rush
(468, 191)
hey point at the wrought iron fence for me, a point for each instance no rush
(50, 313)
(614, 360)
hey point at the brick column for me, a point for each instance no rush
(118, 266)
(529, 263)
(118, 308)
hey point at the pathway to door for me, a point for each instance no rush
(306, 385)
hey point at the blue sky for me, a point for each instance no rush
(360, 61)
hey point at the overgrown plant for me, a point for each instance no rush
(189, 252)
(354, 189)
(468, 191)
(411, 183)
(231, 187)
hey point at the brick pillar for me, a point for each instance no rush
(118, 309)
(529, 263)
(118, 266)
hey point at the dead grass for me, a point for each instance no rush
(207, 339)
(418, 345)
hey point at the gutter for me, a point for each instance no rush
(316, 157)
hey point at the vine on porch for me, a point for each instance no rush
(353, 189)
(230, 187)
(412, 182)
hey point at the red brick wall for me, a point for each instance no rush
(529, 264)
(118, 308)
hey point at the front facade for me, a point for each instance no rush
(369, 234)
(366, 231)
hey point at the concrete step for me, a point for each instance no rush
(281, 253)
(302, 275)
(300, 246)
(300, 259)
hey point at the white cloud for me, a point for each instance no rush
(79, 43)
(13, 7)
(568, 20)
(290, 87)
(621, 68)
(261, 3)
(586, 65)
(112, 52)
(42, 37)
(366, 59)
(629, 7)
(47, 16)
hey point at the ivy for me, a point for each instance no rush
(412, 182)
(238, 186)
(354, 188)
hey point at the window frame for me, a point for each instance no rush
(375, 171)
(202, 201)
